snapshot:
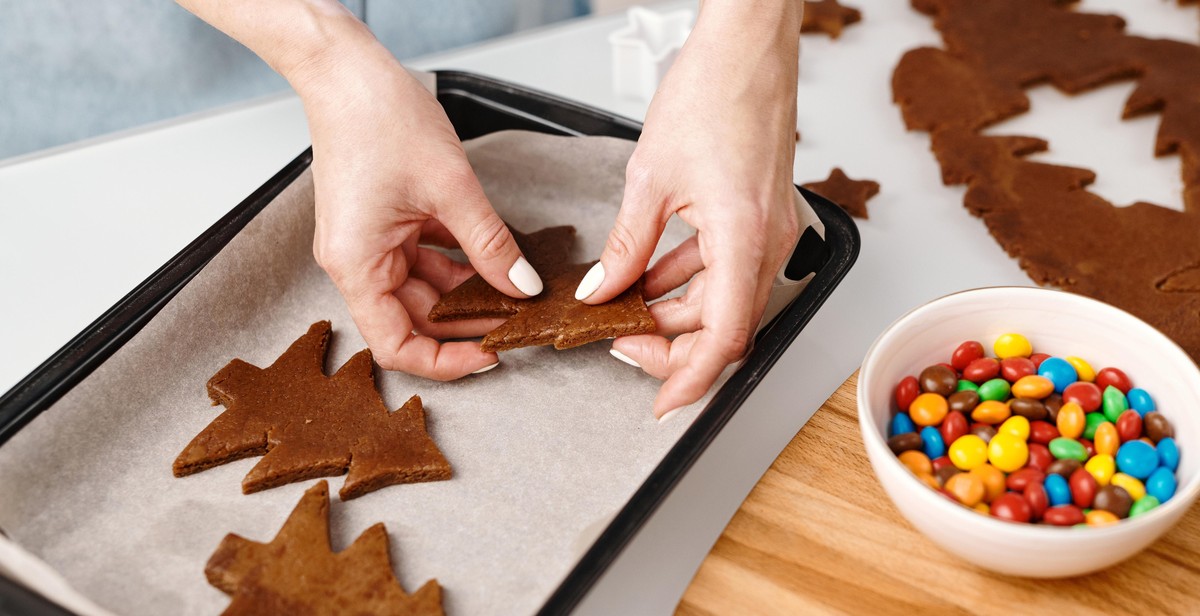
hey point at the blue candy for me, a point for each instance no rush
(1137, 459)
(1168, 453)
(901, 424)
(1140, 400)
(1057, 490)
(1161, 484)
(1059, 371)
(935, 445)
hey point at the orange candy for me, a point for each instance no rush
(1106, 440)
(967, 488)
(1071, 420)
(993, 480)
(1100, 517)
(1033, 386)
(991, 412)
(917, 462)
(928, 409)
(929, 480)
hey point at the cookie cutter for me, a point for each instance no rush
(645, 48)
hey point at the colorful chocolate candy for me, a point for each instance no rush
(1033, 438)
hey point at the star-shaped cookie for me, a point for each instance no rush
(852, 195)
(828, 16)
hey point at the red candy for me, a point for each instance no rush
(1012, 507)
(1037, 359)
(1039, 457)
(1088, 445)
(1022, 478)
(1039, 501)
(954, 426)
(1085, 394)
(1114, 377)
(1083, 488)
(966, 353)
(949, 367)
(1042, 432)
(982, 369)
(906, 392)
(1063, 515)
(940, 463)
(1129, 426)
(1013, 368)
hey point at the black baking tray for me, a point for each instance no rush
(476, 106)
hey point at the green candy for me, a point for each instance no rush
(1093, 421)
(1145, 505)
(1113, 403)
(995, 389)
(964, 385)
(1063, 448)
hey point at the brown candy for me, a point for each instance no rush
(1029, 408)
(1157, 427)
(983, 431)
(938, 379)
(944, 474)
(909, 441)
(1053, 402)
(1065, 467)
(963, 401)
(1113, 499)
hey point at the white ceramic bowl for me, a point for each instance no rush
(1060, 324)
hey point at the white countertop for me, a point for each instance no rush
(85, 224)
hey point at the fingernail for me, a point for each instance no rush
(524, 277)
(486, 368)
(623, 357)
(668, 415)
(591, 281)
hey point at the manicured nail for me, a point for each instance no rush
(623, 357)
(591, 281)
(524, 277)
(668, 415)
(486, 368)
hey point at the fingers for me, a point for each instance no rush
(630, 244)
(486, 240)
(440, 271)
(434, 233)
(680, 314)
(674, 269)
(419, 297)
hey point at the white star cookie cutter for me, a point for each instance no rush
(644, 49)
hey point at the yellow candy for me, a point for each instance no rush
(928, 409)
(1101, 466)
(1100, 517)
(982, 508)
(1082, 368)
(1071, 420)
(1017, 426)
(1131, 484)
(1012, 345)
(1033, 386)
(1007, 452)
(991, 412)
(993, 481)
(968, 452)
(917, 462)
(967, 488)
(1106, 440)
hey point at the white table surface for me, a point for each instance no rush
(83, 225)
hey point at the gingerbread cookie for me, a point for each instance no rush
(554, 316)
(306, 424)
(851, 195)
(298, 573)
(828, 16)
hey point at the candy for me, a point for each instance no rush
(1113, 403)
(966, 353)
(1083, 488)
(963, 401)
(1039, 457)
(1091, 421)
(1012, 345)
(1140, 400)
(1018, 481)
(1038, 358)
(1161, 484)
(916, 462)
(1071, 420)
(1007, 452)
(1102, 467)
(1113, 499)
(967, 489)
(940, 463)
(965, 385)
(1086, 395)
(907, 391)
(901, 424)
(1059, 372)
(991, 412)
(1058, 490)
(1064, 448)
(1129, 426)
(1107, 440)
(1137, 459)
(953, 426)
(929, 480)
(1042, 432)
(1143, 506)
(993, 480)
(994, 389)
(1168, 453)
(934, 446)
(1082, 368)
(945, 473)
(1063, 515)
(1033, 386)
(928, 409)
(1099, 517)
(1013, 368)
(1053, 403)
(983, 431)
(1039, 501)
(968, 452)
(1113, 377)
(1012, 507)
(981, 370)
(1064, 467)
(1134, 488)
(909, 441)
(1015, 426)
(1087, 446)
(982, 508)
(1157, 427)
(939, 380)
(1030, 409)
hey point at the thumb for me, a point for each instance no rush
(489, 245)
(629, 247)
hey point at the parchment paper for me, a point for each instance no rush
(545, 448)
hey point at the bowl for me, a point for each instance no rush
(1060, 324)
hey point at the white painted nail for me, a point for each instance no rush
(486, 368)
(668, 415)
(591, 281)
(524, 277)
(623, 357)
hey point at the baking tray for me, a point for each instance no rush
(476, 106)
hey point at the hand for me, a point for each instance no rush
(717, 150)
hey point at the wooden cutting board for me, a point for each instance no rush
(818, 535)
